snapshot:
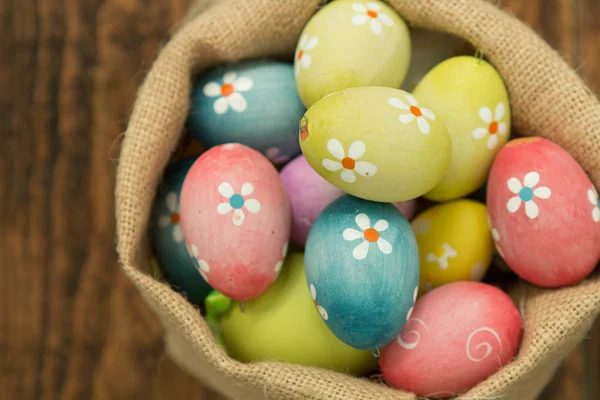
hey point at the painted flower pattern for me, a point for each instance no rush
(593, 198)
(229, 93)
(275, 155)
(441, 255)
(237, 202)
(416, 292)
(302, 59)
(349, 164)
(494, 126)
(173, 218)
(321, 310)
(496, 237)
(414, 113)
(371, 13)
(201, 265)
(283, 253)
(525, 193)
(369, 235)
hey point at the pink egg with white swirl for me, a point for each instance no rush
(457, 336)
(309, 194)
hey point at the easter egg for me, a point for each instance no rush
(429, 48)
(362, 268)
(376, 143)
(469, 97)
(236, 220)
(544, 213)
(309, 194)
(455, 243)
(457, 336)
(350, 43)
(283, 325)
(167, 236)
(253, 102)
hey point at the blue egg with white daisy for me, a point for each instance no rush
(362, 268)
(252, 102)
(167, 237)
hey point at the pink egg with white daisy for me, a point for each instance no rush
(544, 213)
(235, 218)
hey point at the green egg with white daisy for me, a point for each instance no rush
(379, 144)
(470, 97)
(351, 43)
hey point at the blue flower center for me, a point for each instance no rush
(526, 194)
(236, 201)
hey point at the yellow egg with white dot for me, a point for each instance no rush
(455, 243)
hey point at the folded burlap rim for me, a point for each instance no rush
(548, 99)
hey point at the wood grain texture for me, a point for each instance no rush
(71, 325)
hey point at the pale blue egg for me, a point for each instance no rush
(362, 268)
(167, 238)
(252, 102)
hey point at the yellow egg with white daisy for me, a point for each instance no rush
(455, 243)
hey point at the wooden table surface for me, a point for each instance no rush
(71, 325)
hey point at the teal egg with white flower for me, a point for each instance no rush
(254, 103)
(167, 237)
(362, 269)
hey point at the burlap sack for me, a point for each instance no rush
(548, 99)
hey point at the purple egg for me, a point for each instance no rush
(309, 194)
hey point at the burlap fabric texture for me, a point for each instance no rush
(548, 99)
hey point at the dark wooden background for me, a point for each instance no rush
(71, 325)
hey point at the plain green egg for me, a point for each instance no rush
(283, 324)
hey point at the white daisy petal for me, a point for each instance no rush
(411, 100)
(331, 165)
(336, 149)
(238, 217)
(502, 128)
(285, 249)
(194, 250)
(513, 204)
(172, 201)
(381, 225)
(360, 252)
(203, 275)
(237, 102)
(350, 234)
(164, 221)
(203, 265)
(358, 7)
(252, 205)
(356, 150)
(226, 190)
(278, 266)
(247, 188)
(531, 209)
(365, 169)
(492, 142)
(495, 234)
(386, 19)
(360, 19)
(348, 176)
(499, 114)
(397, 103)
(415, 294)
(542, 192)
(229, 77)
(384, 246)
(302, 42)
(406, 118)
(312, 43)
(531, 179)
(313, 292)
(243, 84)
(323, 313)
(485, 114)
(409, 313)
(363, 221)
(449, 251)
(373, 6)
(514, 185)
(423, 125)
(224, 208)
(431, 257)
(428, 113)
(592, 196)
(220, 106)
(596, 214)
(212, 89)
(306, 60)
(479, 133)
(376, 26)
(296, 67)
(177, 233)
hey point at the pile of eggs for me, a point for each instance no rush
(376, 193)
